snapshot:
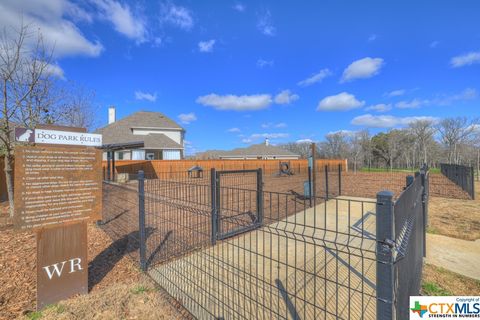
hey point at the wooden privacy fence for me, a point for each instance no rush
(152, 167)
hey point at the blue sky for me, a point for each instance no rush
(235, 72)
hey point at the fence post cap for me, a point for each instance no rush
(385, 194)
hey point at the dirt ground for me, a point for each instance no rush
(438, 281)
(108, 266)
(455, 217)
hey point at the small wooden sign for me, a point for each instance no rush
(62, 265)
(56, 186)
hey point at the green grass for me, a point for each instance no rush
(432, 230)
(140, 290)
(34, 315)
(59, 308)
(366, 169)
(433, 289)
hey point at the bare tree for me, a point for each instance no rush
(454, 132)
(32, 95)
(335, 145)
(25, 84)
(76, 107)
(423, 132)
(356, 141)
(300, 148)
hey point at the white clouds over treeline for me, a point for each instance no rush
(246, 102)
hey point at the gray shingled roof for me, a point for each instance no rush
(253, 150)
(121, 130)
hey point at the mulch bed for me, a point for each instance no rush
(107, 265)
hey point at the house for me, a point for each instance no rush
(256, 151)
(142, 136)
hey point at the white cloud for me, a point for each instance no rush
(55, 70)
(187, 118)
(467, 94)
(343, 132)
(386, 121)
(415, 103)
(260, 136)
(53, 19)
(177, 16)
(206, 46)
(286, 97)
(340, 102)
(274, 125)
(152, 97)
(318, 77)
(237, 103)
(372, 37)
(265, 23)
(395, 93)
(239, 7)
(304, 141)
(439, 100)
(466, 59)
(234, 130)
(124, 21)
(269, 135)
(381, 107)
(261, 63)
(363, 68)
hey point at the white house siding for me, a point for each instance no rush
(175, 135)
(171, 154)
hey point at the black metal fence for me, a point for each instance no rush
(462, 176)
(401, 246)
(229, 249)
(227, 245)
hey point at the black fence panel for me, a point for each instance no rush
(462, 176)
(401, 236)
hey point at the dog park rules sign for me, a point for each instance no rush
(57, 189)
(55, 186)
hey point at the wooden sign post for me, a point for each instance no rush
(57, 189)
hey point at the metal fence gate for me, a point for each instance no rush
(238, 202)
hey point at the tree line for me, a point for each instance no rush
(451, 140)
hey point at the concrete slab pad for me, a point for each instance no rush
(318, 263)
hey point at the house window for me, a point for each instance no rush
(171, 154)
(150, 156)
(138, 154)
(120, 155)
